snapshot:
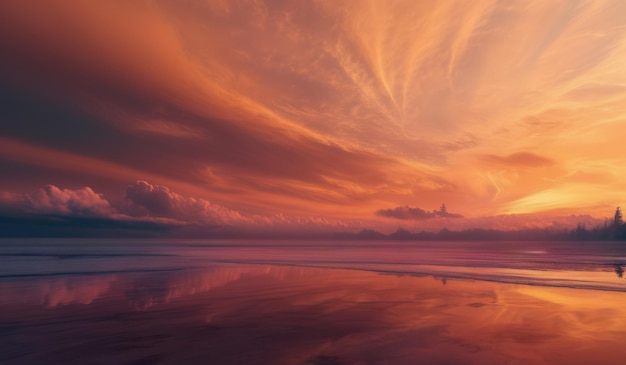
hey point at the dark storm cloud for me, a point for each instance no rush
(51, 225)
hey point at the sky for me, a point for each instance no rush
(300, 116)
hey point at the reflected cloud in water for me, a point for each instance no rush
(260, 314)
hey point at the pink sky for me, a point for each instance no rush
(296, 115)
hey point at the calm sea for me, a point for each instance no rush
(572, 264)
(142, 302)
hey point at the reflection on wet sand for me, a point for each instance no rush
(262, 314)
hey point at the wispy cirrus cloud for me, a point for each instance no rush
(320, 108)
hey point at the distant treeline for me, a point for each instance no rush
(611, 231)
(580, 233)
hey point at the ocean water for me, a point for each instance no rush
(594, 265)
(102, 301)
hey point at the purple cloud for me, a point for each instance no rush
(83, 202)
(159, 201)
(411, 213)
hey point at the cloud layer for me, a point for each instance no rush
(407, 212)
(317, 108)
(80, 202)
(155, 210)
(146, 208)
(159, 201)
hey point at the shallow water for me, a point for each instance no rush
(263, 302)
(569, 264)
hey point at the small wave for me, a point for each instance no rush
(81, 255)
(461, 273)
(89, 273)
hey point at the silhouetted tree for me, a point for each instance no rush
(580, 233)
(618, 221)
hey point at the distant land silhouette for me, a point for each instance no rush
(89, 227)
(611, 230)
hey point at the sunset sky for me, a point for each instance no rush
(312, 115)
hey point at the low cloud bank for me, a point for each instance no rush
(159, 201)
(145, 209)
(407, 212)
(53, 200)
(154, 210)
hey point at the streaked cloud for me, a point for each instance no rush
(519, 159)
(317, 108)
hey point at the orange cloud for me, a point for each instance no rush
(322, 108)
(519, 159)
